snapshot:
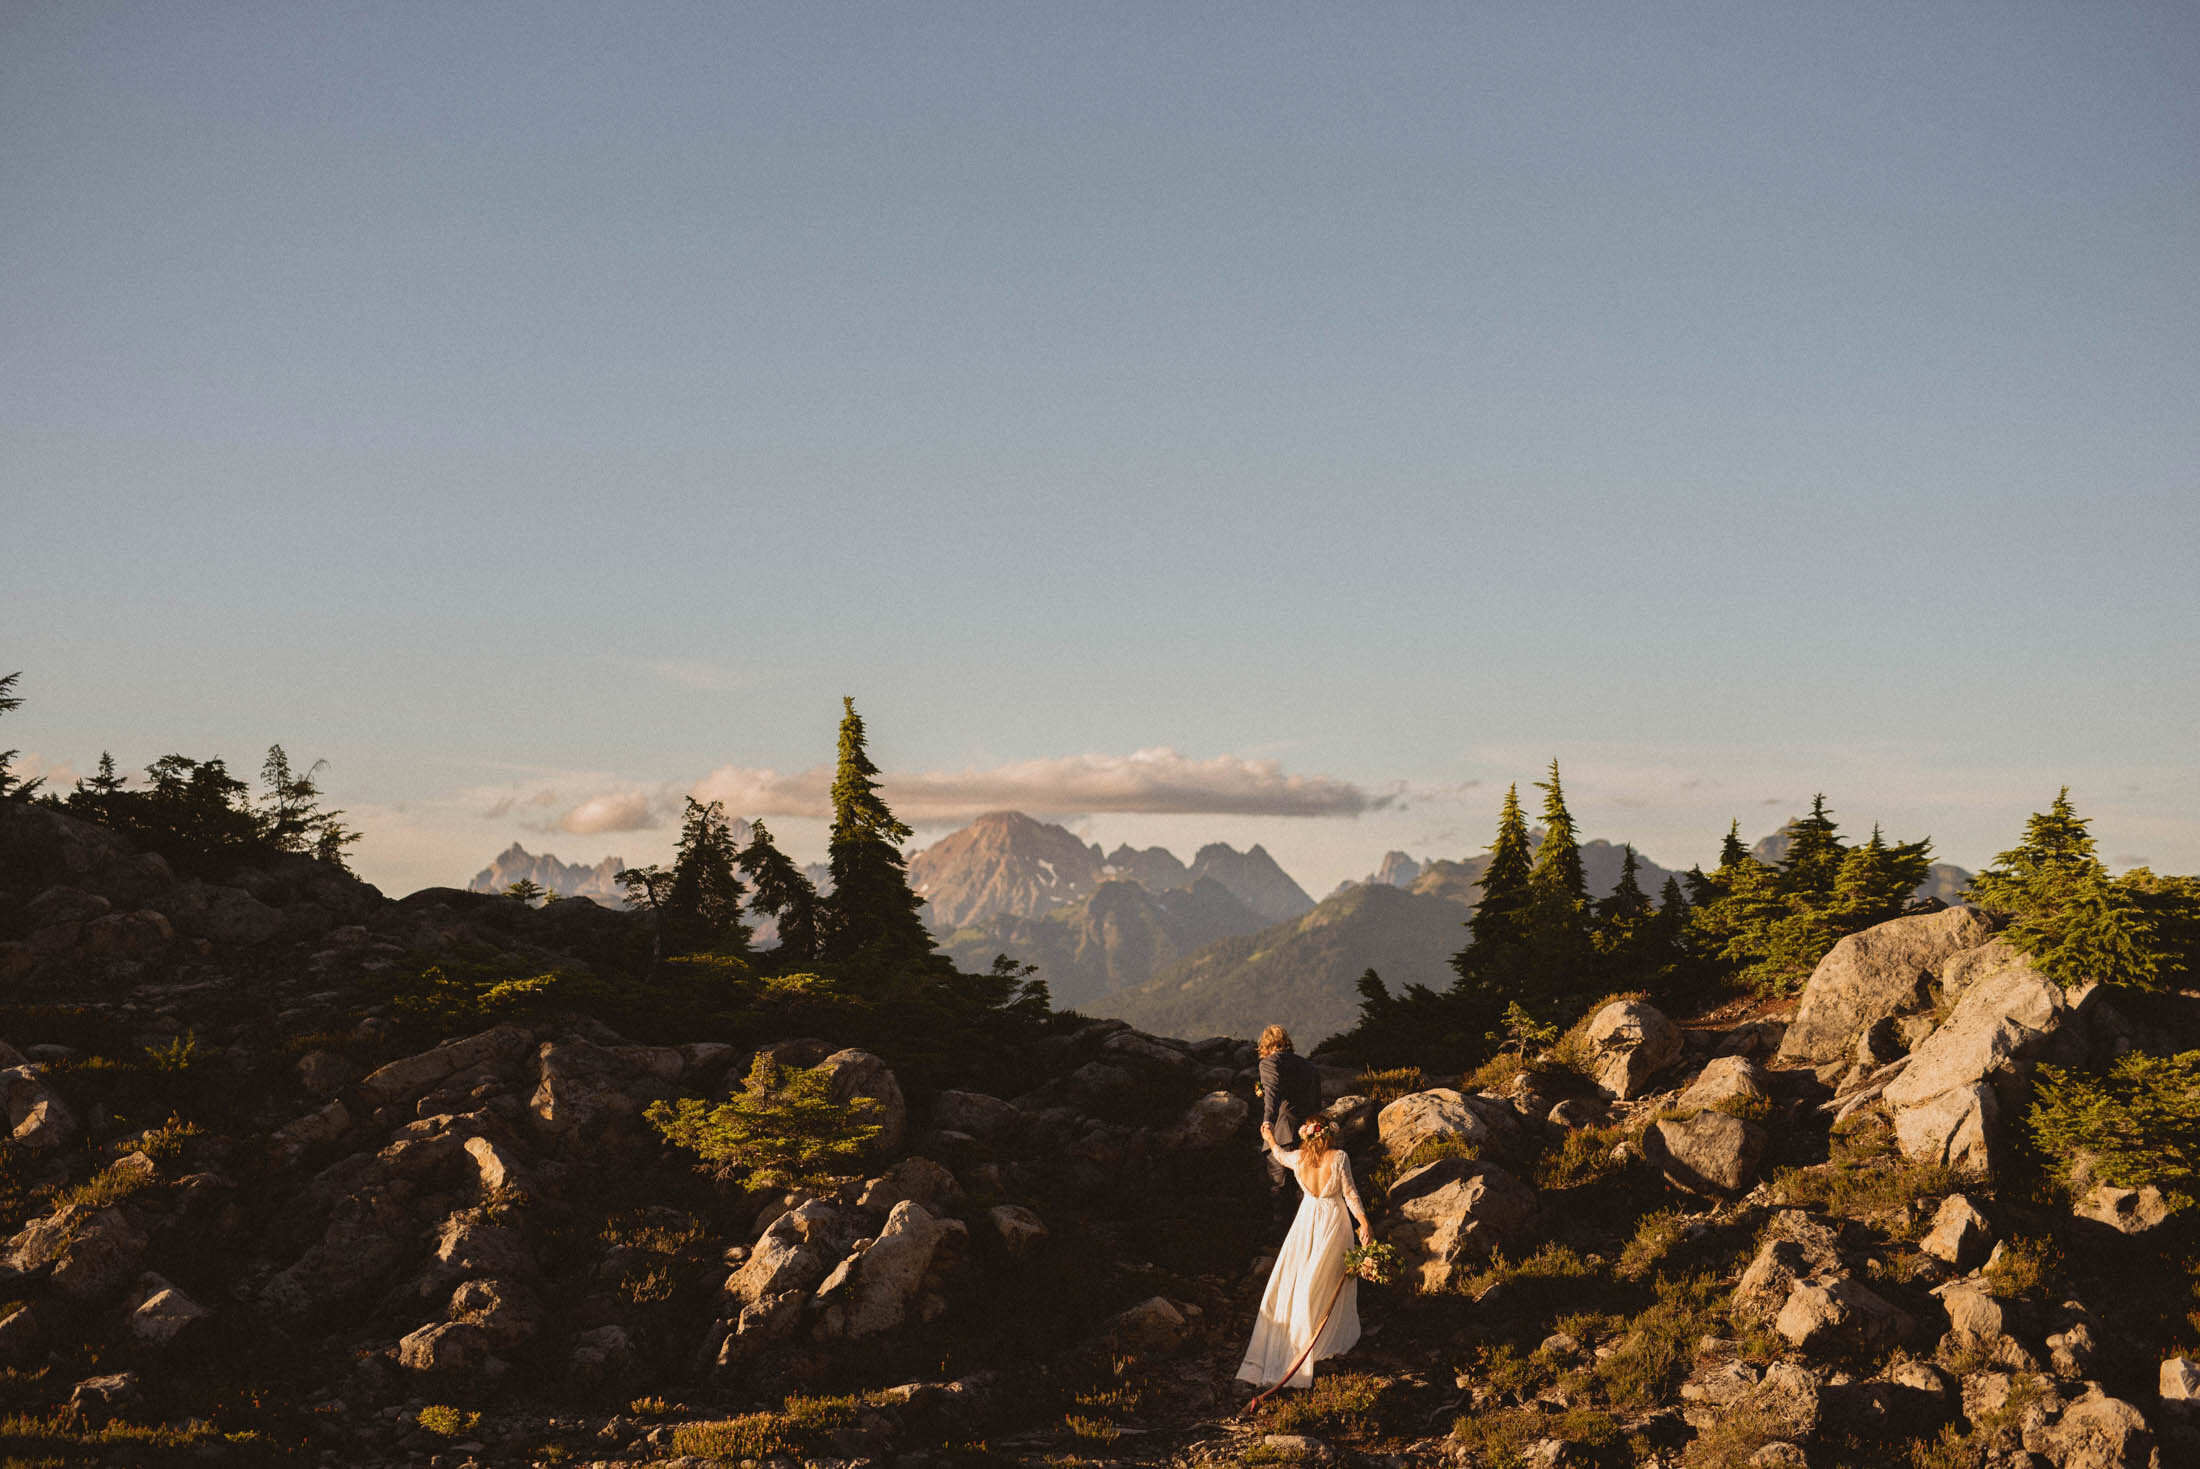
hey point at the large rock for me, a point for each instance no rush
(491, 1053)
(860, 1074)
(369, 1234)
(2125, 1210)
(1711, 1153)
(582, 1089)
(2097, 1432)
(898, 1280)
(506, 1311)
(1869, 976)
(162, 1313)
(1728, 1083)
(1442, 1114)
(1840, 1316)
(451, 1349)
(37, 1117)
(1629, 1043)
(1020, 1231)
(228, 916)
(1798, 1247)
(1156, 1326)
(988, 1119)
(1960, 1235)
(1947, 1103)
(89, 1253)
(1448, 1217)
(1210, 1122)
(794, 1253)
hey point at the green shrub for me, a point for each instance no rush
(1342, 1404)
(1651, 1358)
(1864, 1174)
(1654, 1239)
(1386, 1086)
(2139, 1124)
(449, 1422)
(2022, 1266)
(783, 1126)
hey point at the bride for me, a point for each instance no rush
(1310, 1266)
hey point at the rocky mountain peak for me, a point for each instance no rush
(565, 879)
(1003, 862)
(1255, 878)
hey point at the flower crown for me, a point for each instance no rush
(1315, 1125)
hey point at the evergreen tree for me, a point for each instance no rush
(1558, 901)
(784, 891)
(1733, 852)
(783, 1126)
(1499, 923)
(1626, 936)
(701, 908)
(1875, 880)
(1557, 869)
(526, 890)
(1813, 861)
(2039, 874)
(290, 815)
(871, 910)
(12, 789)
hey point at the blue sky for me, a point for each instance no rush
(539, 412)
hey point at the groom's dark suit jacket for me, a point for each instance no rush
(1290, 1092)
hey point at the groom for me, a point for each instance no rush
(1290, 1092)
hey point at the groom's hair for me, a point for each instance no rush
(1275, 1038)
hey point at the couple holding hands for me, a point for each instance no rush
(1311, 1308)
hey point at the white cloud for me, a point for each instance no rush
(1150, 782)
(613, 811)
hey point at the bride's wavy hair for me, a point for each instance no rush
(1317, 1138)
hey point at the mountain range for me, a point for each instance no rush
(1218, 946)
(563, 879)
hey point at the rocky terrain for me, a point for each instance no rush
(300, 1174)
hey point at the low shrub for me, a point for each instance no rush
(1864, 1175)
(2138, 1124)
(1385, 1086)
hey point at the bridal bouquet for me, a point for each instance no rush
(1377, 1264)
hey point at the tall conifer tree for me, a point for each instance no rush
(1499, 920)
(784, 891)
(701, 908)
(871, 909)
(1813, 860)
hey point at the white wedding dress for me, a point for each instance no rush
(1309, 1267)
